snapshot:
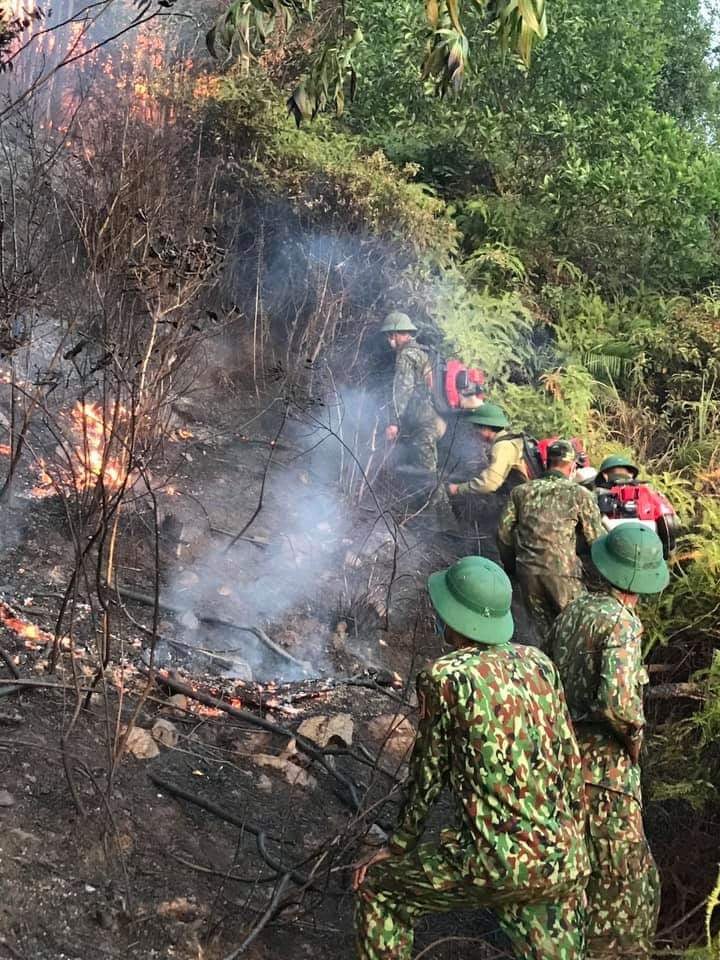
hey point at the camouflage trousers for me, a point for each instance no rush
(545, 596)
(624, 887)
(419, 449)
(398, 892)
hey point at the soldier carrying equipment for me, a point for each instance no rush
(514, 457)
(537, 536)
(414, 420)
(494, 728)
(595, 643)
(622, 498)
(506, 456)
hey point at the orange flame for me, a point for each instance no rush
(92, 460)
(94, 434)
(33, 636)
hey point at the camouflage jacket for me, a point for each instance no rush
(412, 402)
(539, 525)
(595, 643)
(495, 728)
(506, 456)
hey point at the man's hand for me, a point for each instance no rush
(391, 432)
(452, 489)
(362, 868)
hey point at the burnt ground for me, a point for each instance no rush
(128, 868)
(125, 867)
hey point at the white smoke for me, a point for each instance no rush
(288, 573)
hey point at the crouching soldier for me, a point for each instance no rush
(506, 458)
(538, 537)
(595, 644)
(495, 729)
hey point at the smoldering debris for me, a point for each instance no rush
(303, 527)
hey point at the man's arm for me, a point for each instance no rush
(428, 768)
(506, 534)
(503, 457)
(619, 697)
(590, 518)
(403, 385)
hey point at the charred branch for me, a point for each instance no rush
(149, 601)
(303, 744)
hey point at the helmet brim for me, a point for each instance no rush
(474, 626)
(630, 467)
(626, 575)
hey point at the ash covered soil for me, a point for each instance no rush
(112, 852)
(103, 854)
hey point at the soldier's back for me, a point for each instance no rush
(580, 638)
(548, 513)
(514, 764)
(596, 645)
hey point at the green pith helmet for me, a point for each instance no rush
(473, 596)
(630, 557)
(618, 460)
(489, 415)
(562, 451)
(397, 322)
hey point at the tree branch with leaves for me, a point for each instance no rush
(241, 31)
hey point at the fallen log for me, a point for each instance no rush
(177, 791)
(677, 691)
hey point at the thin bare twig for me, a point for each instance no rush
(266, 471)
(273, 907)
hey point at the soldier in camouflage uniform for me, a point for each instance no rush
(537, 537)
(413, 415)
(494, 728)
(616, 470)
(595, 643)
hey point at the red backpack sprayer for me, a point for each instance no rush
(622, 498)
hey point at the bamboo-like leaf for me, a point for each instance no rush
(527, 12)
(453, 9)
(432, 13)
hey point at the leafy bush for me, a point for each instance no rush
(325, 176)
(492, 332)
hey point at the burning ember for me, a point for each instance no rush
(33, 636)
(91, 461)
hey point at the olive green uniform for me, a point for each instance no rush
(506, 457)
(494, 728)
(595, 643)
(537, 538)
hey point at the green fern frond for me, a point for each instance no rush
(612, 360)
